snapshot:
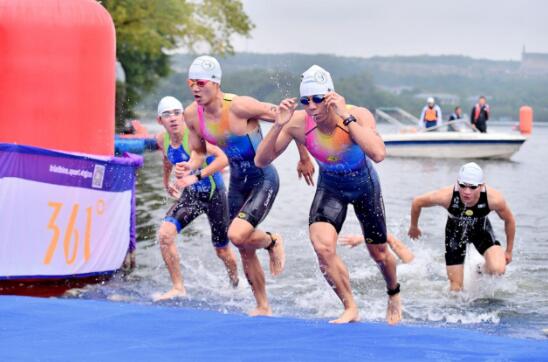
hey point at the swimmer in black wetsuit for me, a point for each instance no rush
(203, 192)
(468, 203)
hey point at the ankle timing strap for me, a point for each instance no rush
(272, 243)
(394, 291)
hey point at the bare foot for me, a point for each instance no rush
(393, 310)
(260, 311)
(172, 294)
(277, 256)
(349, 315)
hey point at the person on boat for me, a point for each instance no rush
(468, 203)
(344, 141)
(232, 123)
(480, 114)
(455, 116)
(202, 192)
(431, 114)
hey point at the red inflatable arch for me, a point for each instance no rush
(57, 75)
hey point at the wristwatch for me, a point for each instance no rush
(198, 175)
(349, 120)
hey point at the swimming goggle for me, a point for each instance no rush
(175, 112)
(471, 187)
(316, 98)
(199, 82)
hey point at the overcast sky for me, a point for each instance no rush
(477, 28)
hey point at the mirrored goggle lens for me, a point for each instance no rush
(199, 82)
(167, 114)
(316, 98)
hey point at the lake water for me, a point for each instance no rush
(514, 305)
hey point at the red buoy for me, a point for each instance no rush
(526, 120)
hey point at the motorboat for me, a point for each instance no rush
(455, 139)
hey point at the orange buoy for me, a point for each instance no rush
(57, 75)
(526, 120)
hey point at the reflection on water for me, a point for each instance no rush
(515, 305)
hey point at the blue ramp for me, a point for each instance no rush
(86, 330)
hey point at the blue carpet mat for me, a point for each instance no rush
(38, 329)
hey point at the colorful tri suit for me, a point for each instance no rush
(346, 177)
(206, 196)
(252, 189)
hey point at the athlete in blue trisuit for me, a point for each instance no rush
(203, 192)
(344, 141)
(468, 203)
(232, 123)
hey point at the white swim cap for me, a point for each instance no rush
(430, 100)
(169, 103)
(316, 80)
(471, 174)
(205, 67)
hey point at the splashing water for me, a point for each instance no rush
(513, 305)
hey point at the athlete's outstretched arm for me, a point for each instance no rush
(277, 139)
(218, 164)
(250, 108)
(196, 143)
(167, 167)
(500, 206)
(441, 197)
(245, 107)
(305, 166)
(362, 131)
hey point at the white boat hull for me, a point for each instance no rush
(453, 145)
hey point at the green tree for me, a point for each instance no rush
(147, 30)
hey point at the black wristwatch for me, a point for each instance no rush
(349, 120)
(198, 175)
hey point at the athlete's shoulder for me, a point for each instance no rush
(298, 120)
(359, 110)
(246, 107)
(191, 114)
(494, 198)
(362, 114)
(190, 110)
(241, 102)
(441, 197)
(229, 96)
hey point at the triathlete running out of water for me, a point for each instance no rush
(232, 123)
(203, 192)
(343, 140)
(468, 203)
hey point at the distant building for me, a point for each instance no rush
(533, 63)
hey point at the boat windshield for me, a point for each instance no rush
(407, 123)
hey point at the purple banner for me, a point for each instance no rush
(59, 168)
